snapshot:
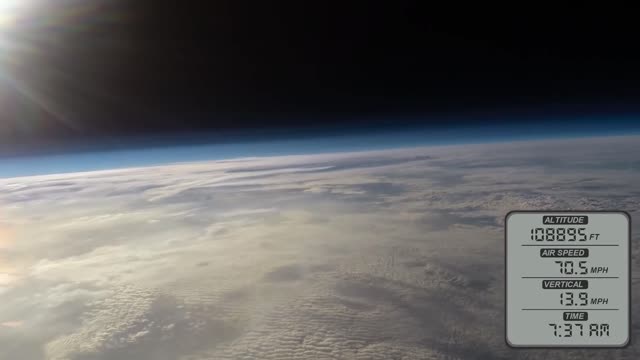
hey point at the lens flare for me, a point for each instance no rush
(19, 41)
(8, 12)
(53, 55)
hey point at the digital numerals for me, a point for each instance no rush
(567, 279)
(559, 234)
(569, 299)
(577, 329)
(570, 267)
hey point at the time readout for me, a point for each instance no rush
(577, 329)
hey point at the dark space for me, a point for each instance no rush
(143, 68)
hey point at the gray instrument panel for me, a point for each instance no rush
(567, 279)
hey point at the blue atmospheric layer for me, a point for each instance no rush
(301, 142)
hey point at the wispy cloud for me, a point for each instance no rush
(356, 255)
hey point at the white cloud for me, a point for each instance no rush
(356, 255)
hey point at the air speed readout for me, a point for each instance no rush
(567, 278)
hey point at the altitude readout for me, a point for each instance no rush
(567, 279)
(568, 234)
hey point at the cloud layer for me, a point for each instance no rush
(393, 254)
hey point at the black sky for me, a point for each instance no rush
(139, 67)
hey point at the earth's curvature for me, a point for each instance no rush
(394, 254)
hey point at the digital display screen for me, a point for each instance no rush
(567, 279)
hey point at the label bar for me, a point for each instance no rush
(564, 253)
(565, 284)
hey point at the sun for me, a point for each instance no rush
(12, 13)
(35, 37)
(18, 20)
(9, 10)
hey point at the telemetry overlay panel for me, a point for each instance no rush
(567, 279)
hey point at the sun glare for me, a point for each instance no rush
(9, 10)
